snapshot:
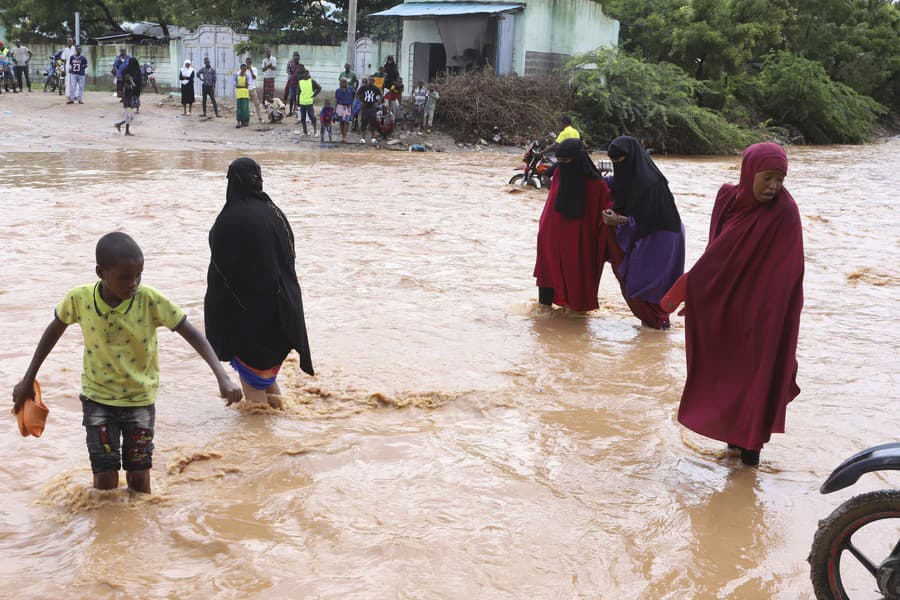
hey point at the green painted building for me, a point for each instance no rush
(530, 38)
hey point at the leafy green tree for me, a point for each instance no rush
(798, 92)
(618, 94)
(270, 21)
(55, 19)
(857, 41)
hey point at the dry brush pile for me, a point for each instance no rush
(472, 104)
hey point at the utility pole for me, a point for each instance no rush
(77, 29)
(351, 33)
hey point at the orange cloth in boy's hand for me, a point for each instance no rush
(32, 414)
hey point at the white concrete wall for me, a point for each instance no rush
(557, 29)
(424, 31)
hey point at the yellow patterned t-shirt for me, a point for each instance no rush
(121, 364)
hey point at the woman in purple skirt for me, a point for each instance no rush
(648, 252)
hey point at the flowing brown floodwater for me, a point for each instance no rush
(456, 443)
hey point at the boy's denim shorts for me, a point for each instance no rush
(118, 433)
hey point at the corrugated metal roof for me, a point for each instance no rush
(444, 9)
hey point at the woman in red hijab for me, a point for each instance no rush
(571, 242)
(742, 301)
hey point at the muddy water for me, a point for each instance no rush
(457, 442)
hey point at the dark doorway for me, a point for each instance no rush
(437, 60)
(429, 60)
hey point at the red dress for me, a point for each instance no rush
(743, 304)
(571, 252)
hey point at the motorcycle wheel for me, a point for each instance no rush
(61, 87)
(519, 179)
(834, 538)
(48, 87)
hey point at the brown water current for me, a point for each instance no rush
(457, 442)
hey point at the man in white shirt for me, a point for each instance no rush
(67, 53)
(251, 87)
(268, 72)
(22, 56)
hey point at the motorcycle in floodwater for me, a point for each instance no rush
(875, 516)
(538, 168)
(534, 173)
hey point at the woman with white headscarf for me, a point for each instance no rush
(186, 76)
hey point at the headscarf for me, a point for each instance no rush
(245, 182)
(570, 193)
(766, 156)
(186, 70)
(133, 68)
(641, 191)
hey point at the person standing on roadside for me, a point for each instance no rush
(22, 56)
(4, 67)
(290, 90)
(350, 77)
(241, 98)
(377, 79)
(309, 89)
(186, 77)
(75, 72)
(391, 73)
(343, 98)
(370, 97)
(420, 97)
(251, 87)
(67, 53)
(207, 75)
(431, 105)
(269, 65)
(118, 70)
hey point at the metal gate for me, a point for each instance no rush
(363, 57)
(216, 43)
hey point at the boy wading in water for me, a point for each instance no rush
(118, 318)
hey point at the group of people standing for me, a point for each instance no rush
(742, 298)
(16, 59)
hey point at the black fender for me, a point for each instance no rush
(885, 457)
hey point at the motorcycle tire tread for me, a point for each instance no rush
(885, 502)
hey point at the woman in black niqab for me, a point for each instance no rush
(641, 190)
(253, 306)
(649, 236)
(572, 240)
(573, 165)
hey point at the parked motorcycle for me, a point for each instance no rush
(148, 78)
(52, 79)
(858, 528)
(534, 173)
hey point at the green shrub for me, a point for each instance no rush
(616, 94)
(797, 92)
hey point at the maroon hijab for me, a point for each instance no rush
(743, 303)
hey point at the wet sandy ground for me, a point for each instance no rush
(457, 441)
